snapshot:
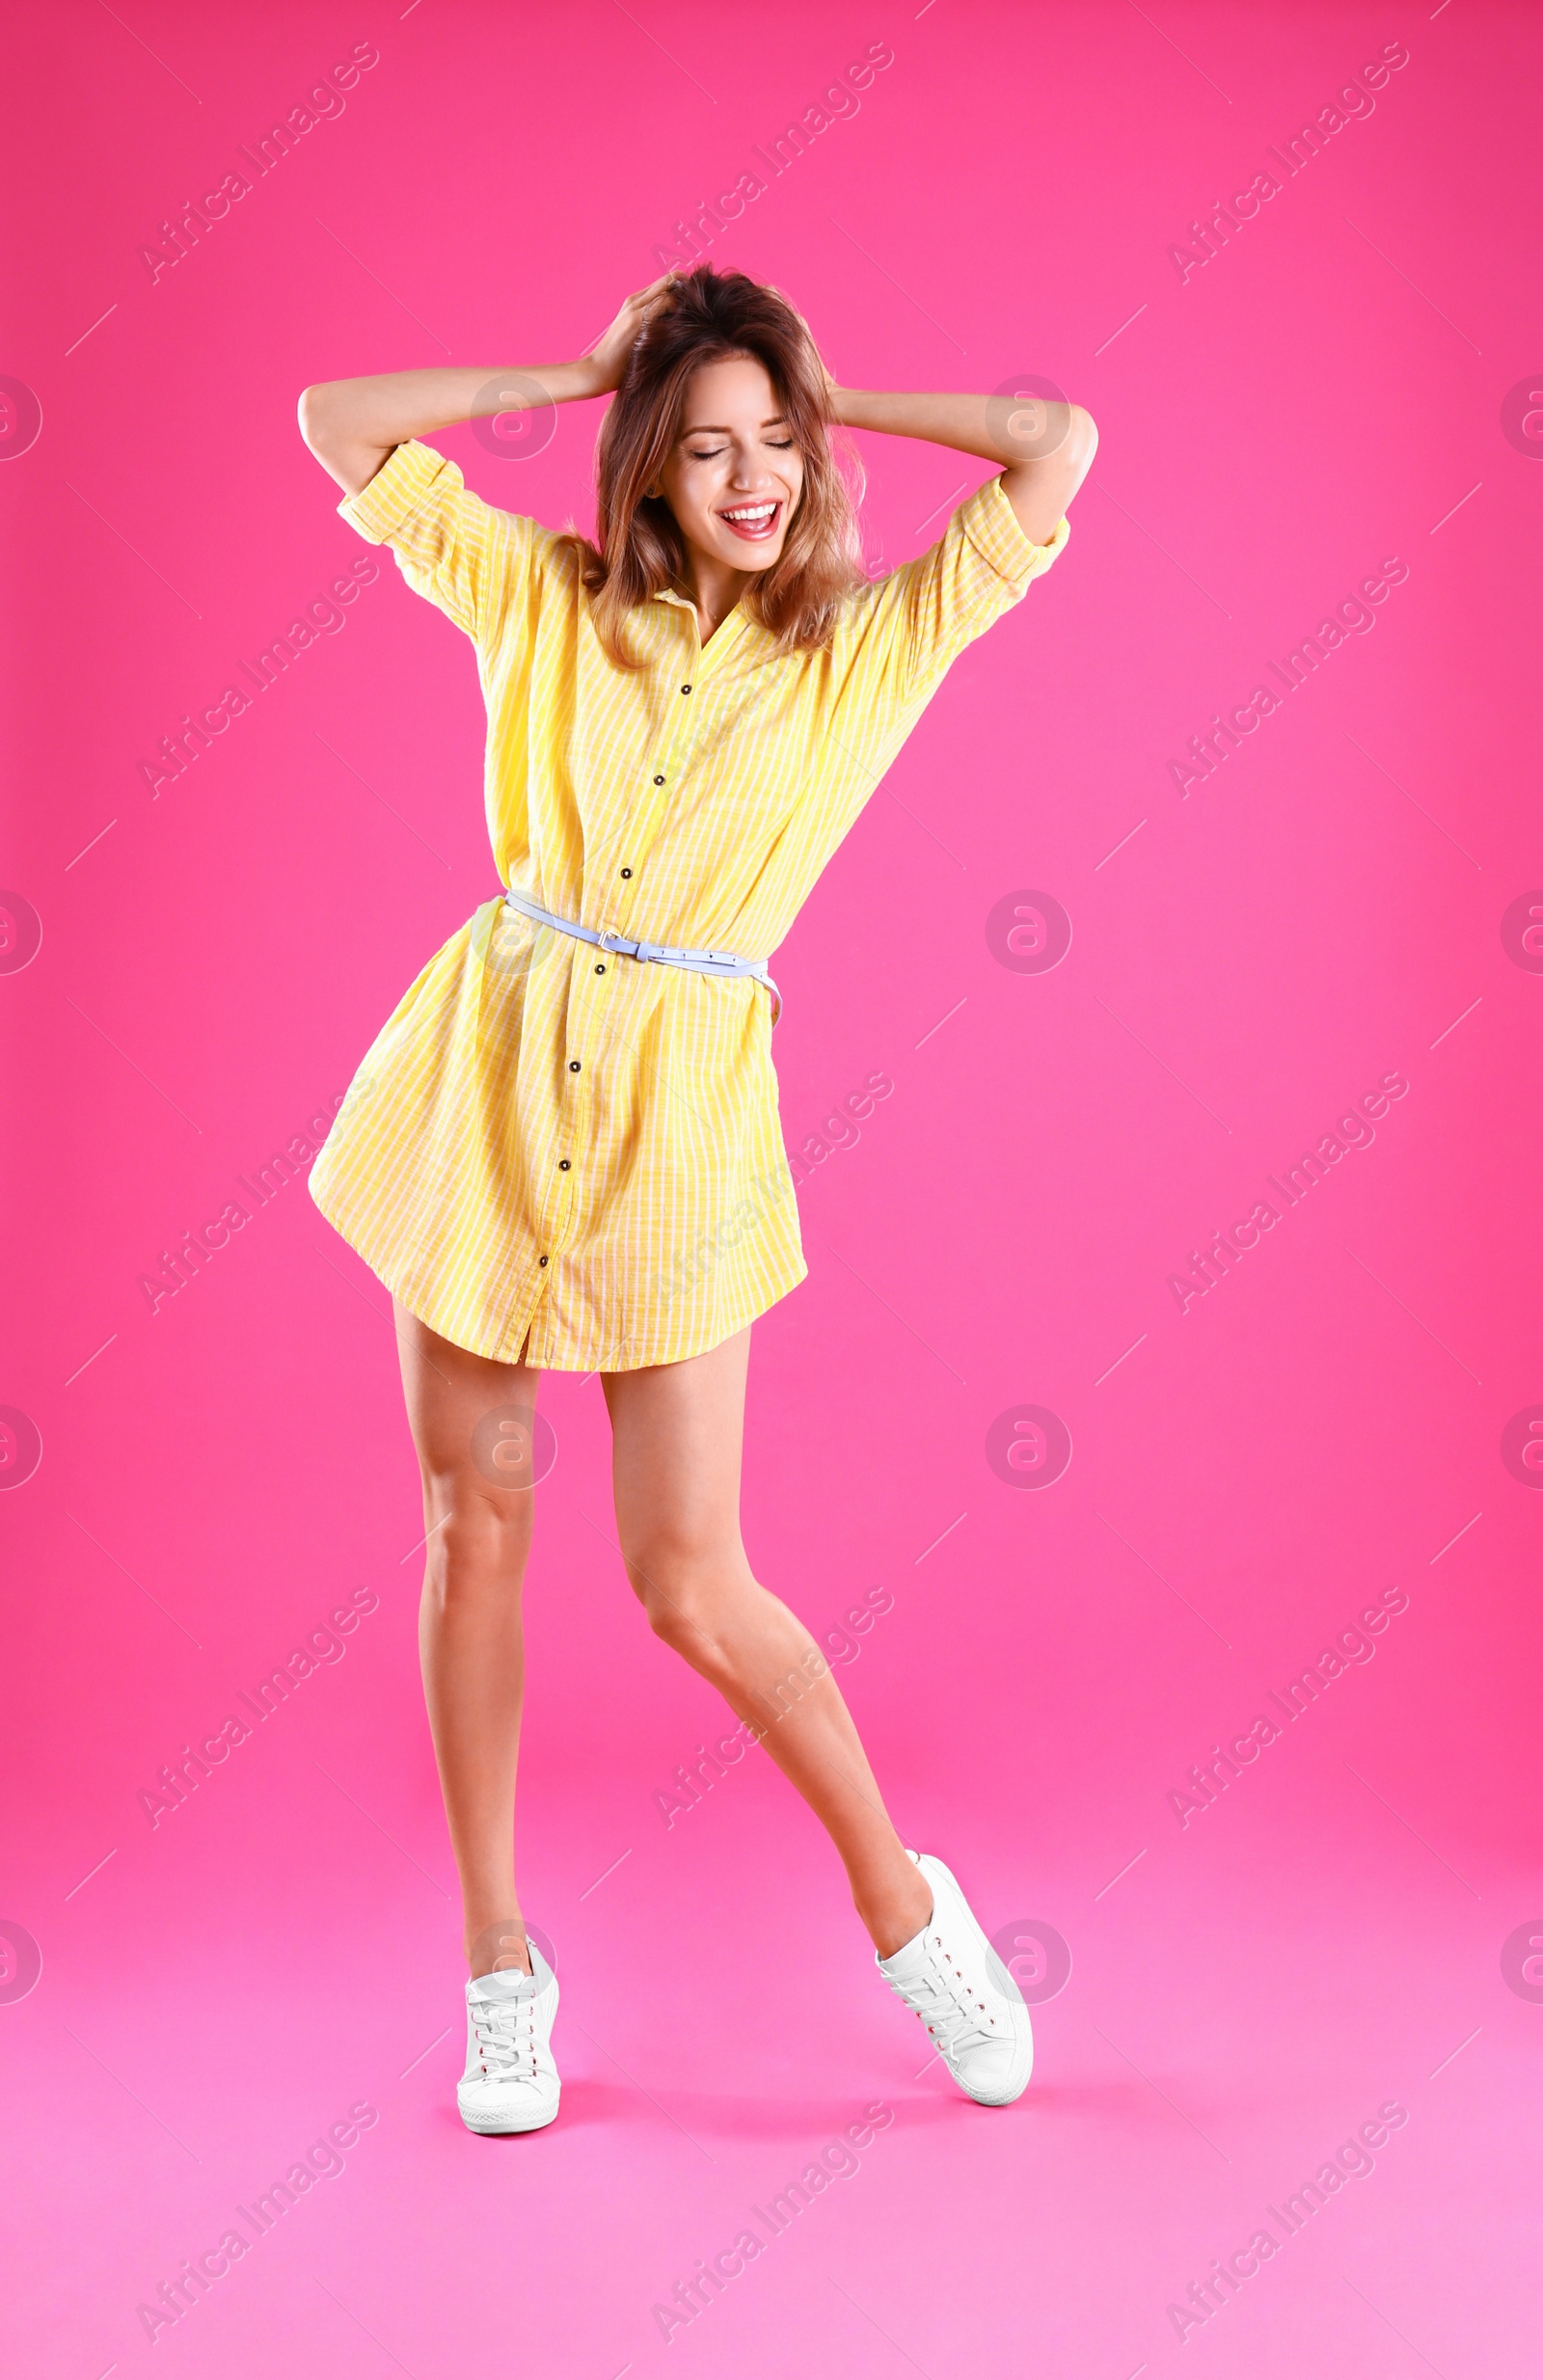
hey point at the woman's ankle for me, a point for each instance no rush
(895, 1908)
(498, 1948)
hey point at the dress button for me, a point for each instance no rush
(573, 1065)
(626, 870)
(564, 1165)
(659, 780)
(600, 970)
(543, 1259)
(686, 689)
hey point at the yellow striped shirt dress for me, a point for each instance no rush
(552, 1153)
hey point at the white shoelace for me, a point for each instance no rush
(505, 2031)
(946, 2008)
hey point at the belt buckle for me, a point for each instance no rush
(617, 944)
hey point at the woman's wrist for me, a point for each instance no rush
(571, 383)
(519, 385)
(991, 427)
(877, 408)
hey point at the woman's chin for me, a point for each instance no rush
(741, 554)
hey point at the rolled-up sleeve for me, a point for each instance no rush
(450, 547)
(925, 613)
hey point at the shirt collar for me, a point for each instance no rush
(735, 624)
(735, 617)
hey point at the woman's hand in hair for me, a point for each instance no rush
(609, 357)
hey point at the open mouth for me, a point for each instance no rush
(754, 523)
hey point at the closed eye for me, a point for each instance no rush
(706, 454)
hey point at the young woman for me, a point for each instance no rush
(563, 1147)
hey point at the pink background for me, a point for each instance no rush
(1326, 393)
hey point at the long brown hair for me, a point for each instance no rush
(639, 549)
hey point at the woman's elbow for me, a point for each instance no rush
(1074, 459)
(310, 413)
(315, 415)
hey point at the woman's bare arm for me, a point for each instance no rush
(352, 425)
(1046, 445)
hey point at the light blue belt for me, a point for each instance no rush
(668, 955)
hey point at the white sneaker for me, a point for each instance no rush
(963, 1994)
(510, 2084)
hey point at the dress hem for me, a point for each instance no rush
(714, 1337)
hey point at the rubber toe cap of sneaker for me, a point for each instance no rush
(997, 2075)
(502, 2108)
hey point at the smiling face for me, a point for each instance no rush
(734, 477)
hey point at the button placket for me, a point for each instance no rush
(559, 1211)
(557, 1203)
(662, 773)
(678, 737)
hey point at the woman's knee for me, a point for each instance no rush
(477, 1538)
(685, 1623)
(686, 1582)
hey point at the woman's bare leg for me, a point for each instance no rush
(677, 1431)
(465, 1414)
